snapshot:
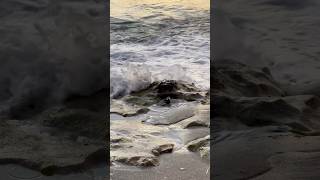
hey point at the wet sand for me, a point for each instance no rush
(176, 166)
(262, 154)
(15, 172)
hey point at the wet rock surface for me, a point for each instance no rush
(200, 119)
(198, 143)
(160, 91)
(165, 148)
(202, 146)
(173, 115)
(234, 78)
(173, 120)
(124, 109)
(143, 161)
(61, 140)
(52, 97)
(257, 123)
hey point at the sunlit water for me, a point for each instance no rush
(154, 40)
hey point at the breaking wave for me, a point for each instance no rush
(133, 77)
(171, 43)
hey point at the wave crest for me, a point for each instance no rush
(133, 77)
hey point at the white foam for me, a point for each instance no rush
(168, 41)
(130, 77)
(136, 76)
(185, 58)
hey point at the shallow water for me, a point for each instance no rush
(155, 40)
(162, 117)
(170, 115)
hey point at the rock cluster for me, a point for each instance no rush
(257, 121)
(241, 97)
(166, 127)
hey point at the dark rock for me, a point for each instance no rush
(167, 100)
(268, 112)
(297, 112)
(164, 92)
(196, 124)
(236, 79)
(166, 86)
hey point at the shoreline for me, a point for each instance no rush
(182, 126)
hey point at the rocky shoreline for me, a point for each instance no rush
(175, 121)
(53, 96)
(265, 90)
(61, 140)
(259, 128)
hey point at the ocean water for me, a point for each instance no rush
(49, 54)
(154, 40)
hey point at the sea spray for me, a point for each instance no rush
(129, 78)
(70, 61)
(158, 41)
(137, 76)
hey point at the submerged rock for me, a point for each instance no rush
(173, 115)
